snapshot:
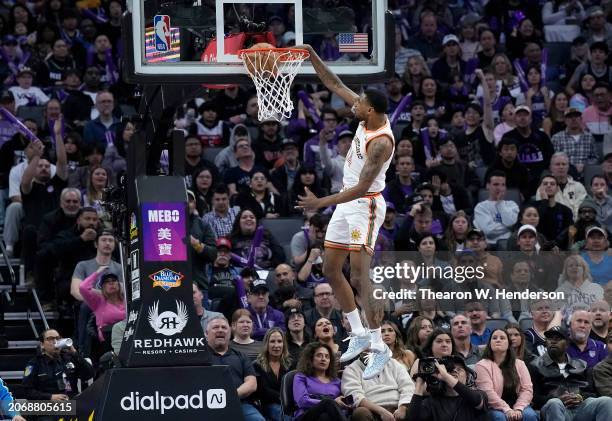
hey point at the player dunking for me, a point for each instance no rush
(359, 214)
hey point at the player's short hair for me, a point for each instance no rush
(377, 100)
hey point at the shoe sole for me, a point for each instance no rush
(348, 357)
(371, 376)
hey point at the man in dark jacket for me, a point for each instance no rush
(602, 373)
(517, 176)
(563, 386)
(403, 186)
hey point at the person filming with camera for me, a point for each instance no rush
(53, 373)
(443, 392)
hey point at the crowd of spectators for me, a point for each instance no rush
(502, 159)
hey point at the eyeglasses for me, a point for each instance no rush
(324, 294)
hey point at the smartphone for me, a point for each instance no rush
(348, 400)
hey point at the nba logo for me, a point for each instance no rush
(161, 23)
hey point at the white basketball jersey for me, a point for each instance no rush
(356, 157)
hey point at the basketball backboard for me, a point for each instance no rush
(196, 41)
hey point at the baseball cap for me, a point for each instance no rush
(596, 229)
(450, 38)
(527, 227)
(465, 252)
(24, 70)
(288, 142)
(346, 133)
(293, 311)
(557, 331)
(588, 203)
(425, 186)
(390, 207)
(475, 231)
(107, 276)
(223, 242)
(572, 110)
(258, 285)
(595, 11)
(522, 108)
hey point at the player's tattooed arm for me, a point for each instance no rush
(329, 78)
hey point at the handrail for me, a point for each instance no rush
(39, 308)
(32, 325)
(10, 271)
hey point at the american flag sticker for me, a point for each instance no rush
(353, 43)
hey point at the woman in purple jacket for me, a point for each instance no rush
(316, 386)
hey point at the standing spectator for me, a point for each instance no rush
(496, 216)
(316, 387)
(25, 94)
(596, 256)
(270, 367)
(562, 389)
(101, 130)
(242, 373)
(505, 379)
(221, 218)
(231, 103)
(581, 345)
(574, 141)
(554, 217)
(534, 147)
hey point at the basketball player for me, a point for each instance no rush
(354, 225)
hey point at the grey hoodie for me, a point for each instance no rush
(226, 158)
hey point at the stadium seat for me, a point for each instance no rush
(525, 324)
(558, 53)
(496, 323)
(283, 228)
(286, 394)
(480, 172)
(211, 153)
(511, 194)
(588, 173)
(36, 113)
(502, 245)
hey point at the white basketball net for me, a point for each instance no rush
(273, 72)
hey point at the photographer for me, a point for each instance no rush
(53, 373)
(452, 400)
(440, 344)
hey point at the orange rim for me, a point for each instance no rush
(294, 53)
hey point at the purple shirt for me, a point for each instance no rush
(594, 352)
(263, 322)
(305, 388)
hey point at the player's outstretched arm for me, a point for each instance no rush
(329, 79)
(379, 150)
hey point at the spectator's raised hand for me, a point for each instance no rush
(57, 125)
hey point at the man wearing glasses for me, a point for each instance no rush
(53, 373)
(324, 307)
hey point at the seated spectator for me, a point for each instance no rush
(93, 155)
(601, 195)
(269, 254)
(288, 292)
(555, 121)
(602, 372)
(265, 203)
(195, 161)
(323, 332)
(439, 344)
(116, 154)
(24, 93)
(226, 158)
(47, 376)
(297, 335)
(271, 365)
(554, 216)
(203, 248)
(414, 228)
(580, 344)
(596, 65)
(456, 233)
(428, 40)
(537, 96)
(268, 144)
(56, 64)
(448, 197)
(478, 320)
(427, 246)
(561, 384)
(517, 342)
(579, 148)
(306, 177)
(596, 255)
(517, 175)
(211, 130)
(505, 379)
(576, 283)
(222, 217)
(492, 265)
(316, 387)
(333, 166)
(544, 318)
(241, 369)
(597, 28)
(392, 336)
(238, 177)
(596, 116)
(495, 216)
(387, 398)
(99, 179)
(324, 302)
(417, 334)
(101, 130)
(204, 315)
(107, 303)
(309, 238)
(402, 187)
(506, 122)
(600, 320)
(528, 215)
(574, 237)
(584, 92)
(262, 314)
(242, 330)
(521, 280)
(284, 175)
(450, 62)
(202, 188)
(461, 330)
(458, 398)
